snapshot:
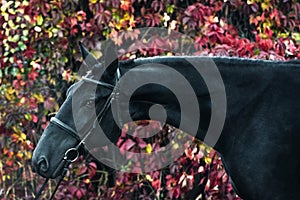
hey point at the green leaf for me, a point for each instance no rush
(15, 38)
(54, 30)
(65, 59)
(170, 9)
(25, 32)
(11, 60)
(24, 38)
(39, 20)
(5, 60)
(14, 71)
(22, 46)
(27, 116)
(6, 53)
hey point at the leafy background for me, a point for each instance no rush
(39, 59)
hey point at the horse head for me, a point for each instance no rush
(87, 104)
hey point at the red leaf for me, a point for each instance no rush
(128, 144)
(29, 52)
(34, 118)
(254, 7)
(10, 163)
(176, 192)
(92, 169)
(141, 143)
(156, 184)
(32, 75)
(125, 5)
(80, 193)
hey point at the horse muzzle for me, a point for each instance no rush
(40, 165)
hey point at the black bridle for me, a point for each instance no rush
(72, 154)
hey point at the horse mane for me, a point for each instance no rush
(219, 59)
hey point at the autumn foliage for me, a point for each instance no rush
(39, 59)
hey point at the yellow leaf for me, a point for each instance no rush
(149, 148)
(23, 25)
(27, 17)
(50, 34)
(283, 35)
(207, 160)
(23, 136)
(25, 3)
(10, 90)
(296, 36)
(6, 177)
(267, 24)
(6, 5)
(12, 11)
(23, 100)
(39, 97)
(17, 4)
(19, 155)
(21, 10)
(9, 94)
(15, 129)
(118, 26)
(4, 26)
(28, 154)
(96, 54)
(11, 24)
(6, 16)
(265, 6)
(148, 177)
(18, 19)
(175, 145)
(126, 16)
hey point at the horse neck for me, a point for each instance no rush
(245, 81)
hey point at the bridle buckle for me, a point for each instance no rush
(71, 155)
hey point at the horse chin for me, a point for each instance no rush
(58, 171)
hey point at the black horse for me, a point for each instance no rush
(260, 140)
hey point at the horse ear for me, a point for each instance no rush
(110, 57)
(88, 58)
(84, 51)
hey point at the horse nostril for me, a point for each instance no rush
(43, 164)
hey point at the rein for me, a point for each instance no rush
(72, 154)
